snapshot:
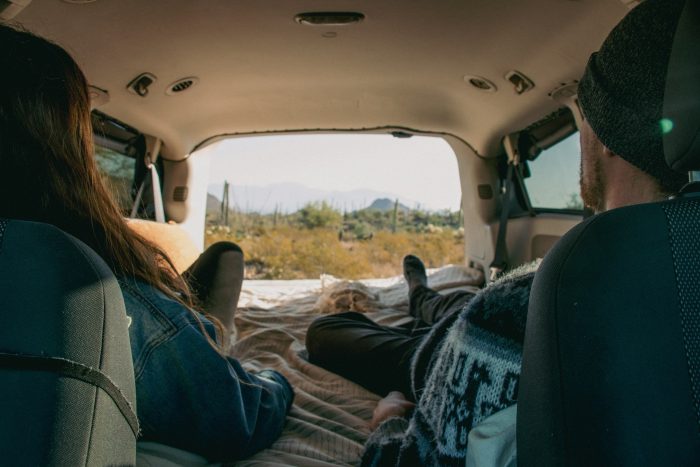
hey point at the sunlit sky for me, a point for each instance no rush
(417, 170)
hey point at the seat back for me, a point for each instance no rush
(67, 394)
(611, 362)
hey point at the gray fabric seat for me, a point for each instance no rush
(67, 394)
(611, 360)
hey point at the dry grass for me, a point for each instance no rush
(288, 252)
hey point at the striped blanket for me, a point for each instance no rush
(328, 424)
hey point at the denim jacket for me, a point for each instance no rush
(189, 396)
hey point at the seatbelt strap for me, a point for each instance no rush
(71, 369)
(153, 145)
(157, 195)
(518, 173)
(500, 257)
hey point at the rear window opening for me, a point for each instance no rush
(348, 205)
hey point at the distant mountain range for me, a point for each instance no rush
(213, 203)
(290, 197)
(386, 204)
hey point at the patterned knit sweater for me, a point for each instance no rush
(473, 373)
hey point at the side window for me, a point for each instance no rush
(117, 172)
(554, 177)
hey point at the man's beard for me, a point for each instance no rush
(593, 186)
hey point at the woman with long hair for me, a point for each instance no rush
(189, 395)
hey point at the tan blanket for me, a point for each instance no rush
(327, 425)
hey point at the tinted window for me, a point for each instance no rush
(554, 179)
(117, 172)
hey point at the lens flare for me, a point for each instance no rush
(666, 125)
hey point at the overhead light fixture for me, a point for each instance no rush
(631, 3)
(565, 91)
(329, 18)
(98, 97)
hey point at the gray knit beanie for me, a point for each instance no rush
(622, 90)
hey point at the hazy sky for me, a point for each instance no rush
(418, 169)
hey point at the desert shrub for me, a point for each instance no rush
(293, 253)
(319, 215)
(362, 231)
(296, 251)
(356, 230)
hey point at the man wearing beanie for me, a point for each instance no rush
(621, 96)
(466, 410)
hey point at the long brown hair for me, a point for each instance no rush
(48, 171)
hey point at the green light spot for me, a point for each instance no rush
(666, 125)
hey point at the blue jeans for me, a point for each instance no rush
(188, 395)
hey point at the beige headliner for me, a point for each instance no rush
(261, 71)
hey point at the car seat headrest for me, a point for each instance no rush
(681, 122)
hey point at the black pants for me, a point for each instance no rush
(215, 279)
(374, 356)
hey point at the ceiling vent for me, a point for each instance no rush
(181, 85)
(480, 83)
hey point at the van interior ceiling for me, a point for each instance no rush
(241, 90)
(188, 88)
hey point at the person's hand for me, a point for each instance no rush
(394, 404)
